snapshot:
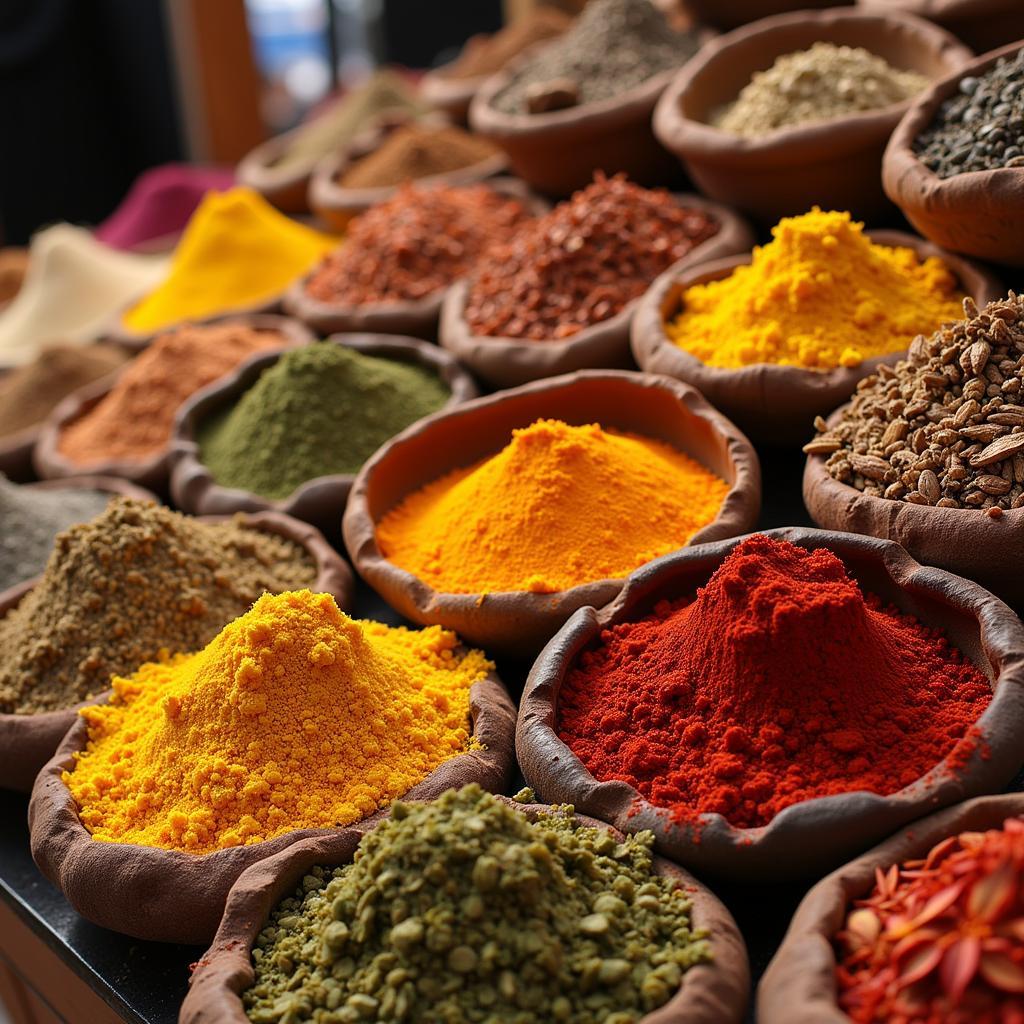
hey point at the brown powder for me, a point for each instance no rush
(485, 55)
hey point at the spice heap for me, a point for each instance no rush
(136, 580)
(612, 47)
(236, 252)
(483, 55)
(939, 939)
(463, 909)
(319, 410)
(980, 127)
(778, 683)
(417, 151)
(821, 294)
(294, 716)
(29, 394)
(945, 426)
(559, 506)
(134, 420)
(415, 244)
(822, 83)
(583, 262)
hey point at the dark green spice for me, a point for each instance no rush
(319, 410)
(462, 910)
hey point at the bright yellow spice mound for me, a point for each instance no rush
(295, 716)
(821, 294)
(559, 506)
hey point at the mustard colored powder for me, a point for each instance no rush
(294, 716)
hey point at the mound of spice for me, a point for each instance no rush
(980, 127)
(237, 252)
(319, 410)
(134, 420)
(136, 580)
(483, 55)
(822, 83)
(821, 294)
(29, 394)
(780, 682)
(940, 938)
(463, 909)
(294, 716)
(415, 244)
(945, 426)
(612, 47)
(583, 262)
(417, 151)
(559, 506)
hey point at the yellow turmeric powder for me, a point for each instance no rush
(237, 251)
(294, 716)
(559, 506)
(821, 294)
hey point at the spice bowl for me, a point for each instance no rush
(979, 213)
(773, 403)
(711, 993)
(982, 25)
(732, 14)
(815, 835)
(800, 982)
(508, 362)
(520, 622)
(285, 187)
(450, 96)
(834, 163)
(320, 501)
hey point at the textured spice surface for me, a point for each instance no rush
(463, 910)
(945, 426)
(559, 506)
(415, 244)
(484, 56)
(581, 263)
(779, 682)
(294, 716)
(821, 294)
(318, 410)
(137, 579)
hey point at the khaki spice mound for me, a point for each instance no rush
(945, 426)
(464, 910)
(132, 582)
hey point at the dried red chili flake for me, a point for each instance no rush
(415, 244)
(583, 262)
(940, 940)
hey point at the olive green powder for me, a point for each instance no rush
(319, 410)
(463, 910)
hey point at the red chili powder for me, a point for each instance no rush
(778, 683)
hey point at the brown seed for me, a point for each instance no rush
(995, 512)
(999, 449)
(822, 446)
(992, 484)
(928, 485)
(869, 466)
(1008, 416)
(897, 430)
(983, 432)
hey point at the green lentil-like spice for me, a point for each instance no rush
(319, 410)
(462, 910)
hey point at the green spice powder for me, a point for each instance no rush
(462, 910)
(319, 410)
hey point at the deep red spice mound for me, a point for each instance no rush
(780, 682)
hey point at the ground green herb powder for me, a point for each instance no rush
(462, 910)
(319, 410)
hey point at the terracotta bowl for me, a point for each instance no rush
(320, 501)
(519, 622)
(799, 986)
(16, 450)
(450, 96)
(286, 188)
(772, 403)
(507, 362)
(711, 993)
(981, 24)
(831, 163)
(734, 13)
(815, 835)
(980, 213)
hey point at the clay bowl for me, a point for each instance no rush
(450, 96)
(285, 187)
(711, 993)
(772, 403)
(320, 501)
(504, 362)
(16, 450)
(831, 163)
(981, 24)
(799, 985)
(170, 896)
(980, 213)
(816, 835)
(518, 622)
(734, 13)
